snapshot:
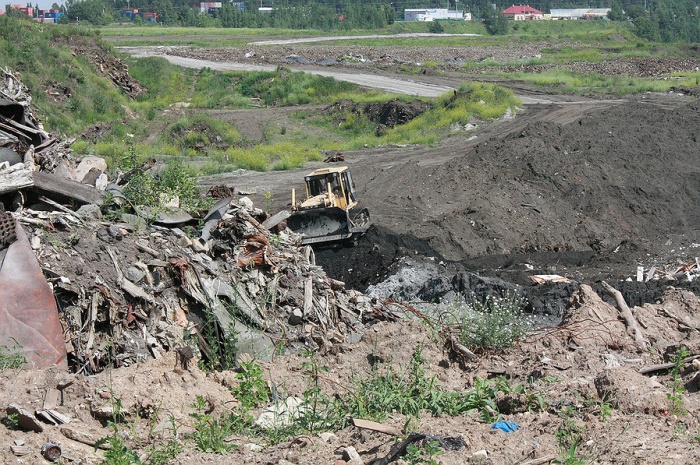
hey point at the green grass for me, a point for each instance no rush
(579, 31)
(39, 58)
(12, 357)
(565, 81)
(166, 83)
(472, 102)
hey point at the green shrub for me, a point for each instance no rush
(175, 180)
(201, 134)
(251, 390)
(494, 323)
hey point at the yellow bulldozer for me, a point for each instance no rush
(330, 212)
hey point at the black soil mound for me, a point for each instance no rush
(590, 197)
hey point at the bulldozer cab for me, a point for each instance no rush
(330, 187)
(330, 211)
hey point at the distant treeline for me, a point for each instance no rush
(655, 20)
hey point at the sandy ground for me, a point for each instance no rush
(572, 375)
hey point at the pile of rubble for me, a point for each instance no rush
(448, 58)
(83, 292)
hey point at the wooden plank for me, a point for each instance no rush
(374, 426)
(308, 296)
(665, 366)
(59, 417)
(20, 450)
(276, 219)
(52, 399)
(52, 184)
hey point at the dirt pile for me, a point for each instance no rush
(105, 62)
(385, 115)
(589, 195)
(633, 67)
(615, 176)
(445, 58)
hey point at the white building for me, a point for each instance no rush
(432, 14)
(579, 13)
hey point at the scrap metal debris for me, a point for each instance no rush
(672, 272)
(115, 293)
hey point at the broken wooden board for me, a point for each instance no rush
(48, 184)
(374, 426)
(83, 438)
(52, 399)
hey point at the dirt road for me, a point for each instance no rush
(401, 86)
(384, 37)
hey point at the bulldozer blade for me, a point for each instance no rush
(321, 225)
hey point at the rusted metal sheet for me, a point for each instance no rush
(28, 313)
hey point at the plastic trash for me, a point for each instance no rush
(506, 426)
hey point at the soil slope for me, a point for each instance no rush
(597, 191)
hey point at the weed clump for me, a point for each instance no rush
(494, 323)
(11, 357)
(175, 181)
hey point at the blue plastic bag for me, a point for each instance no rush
(506, 426)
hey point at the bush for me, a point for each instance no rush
(436, 27)
(494, 323)
(175, 180)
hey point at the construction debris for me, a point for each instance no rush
(672, 272)
(138, 287)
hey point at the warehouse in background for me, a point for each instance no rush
(434, 14)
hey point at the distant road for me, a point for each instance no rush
(399, 86)
(303, 40)
(373, 81)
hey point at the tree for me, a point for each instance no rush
(93, 11)
(616, 13)
(166, 12)
(636, 11)
(495, 22)
(436, 27)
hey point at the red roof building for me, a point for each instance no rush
(523, 12)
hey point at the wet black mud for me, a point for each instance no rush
(402, 266)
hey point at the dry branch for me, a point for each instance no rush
(541, 460)
(639, 339)
(665, 366)
(462, 350)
